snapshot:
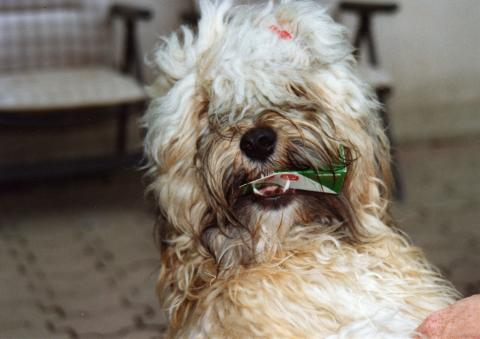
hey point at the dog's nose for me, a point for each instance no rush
(258, 143)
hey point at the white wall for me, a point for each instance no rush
(430, 47)
(432, 50)
(166, 19)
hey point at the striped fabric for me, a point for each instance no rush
(56, 54)
(54, 33)
(25, 5)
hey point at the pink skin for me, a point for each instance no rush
(282, 34)
(460, 320)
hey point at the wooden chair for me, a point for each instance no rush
(57, 68)
(379, 79)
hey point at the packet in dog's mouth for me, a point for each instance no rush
(330, 182)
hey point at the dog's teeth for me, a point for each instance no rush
(256, 191)
(267, 191)
(286, 187)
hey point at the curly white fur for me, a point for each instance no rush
(317, 267)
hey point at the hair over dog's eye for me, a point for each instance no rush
(298, 91)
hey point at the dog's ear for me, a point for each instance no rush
(370, 174)
(175, 119)
(175, 106)
(178, 107)
(353, 120)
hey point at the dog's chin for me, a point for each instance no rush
(266, 198)
(273, 200)
(307, 206)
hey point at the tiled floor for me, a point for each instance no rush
(442, 209)
(77, 258)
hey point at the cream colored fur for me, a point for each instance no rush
(322, 266)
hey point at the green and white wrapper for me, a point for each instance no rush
(330, 182)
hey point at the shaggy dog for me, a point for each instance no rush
(258, 90)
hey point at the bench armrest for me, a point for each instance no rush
(130, 15)
(130, 12)
(365, 10)
(366, 7)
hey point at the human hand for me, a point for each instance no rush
(460, 320)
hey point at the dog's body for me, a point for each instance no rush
(261, 89)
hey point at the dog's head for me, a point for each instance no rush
(260, 89)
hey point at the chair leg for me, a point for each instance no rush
(122, 131)
(398, 188)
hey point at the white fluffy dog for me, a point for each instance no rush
(258, 91)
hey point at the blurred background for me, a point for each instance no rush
(77, 258)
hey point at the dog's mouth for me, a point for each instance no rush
(270, 191)
(272, 196)
(284, 184)
(267, 194)
(281, 185)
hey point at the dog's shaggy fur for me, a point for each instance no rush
(305, 264)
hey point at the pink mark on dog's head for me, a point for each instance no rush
(282, 34)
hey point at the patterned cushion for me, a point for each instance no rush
(59, 36)
(67, 88)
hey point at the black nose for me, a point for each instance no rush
(258, 143)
